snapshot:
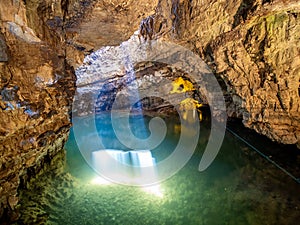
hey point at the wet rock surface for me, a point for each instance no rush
(40, 43)
(253, 47)
(36, 86)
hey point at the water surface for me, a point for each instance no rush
(239, 187)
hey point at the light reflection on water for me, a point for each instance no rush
(238, 188)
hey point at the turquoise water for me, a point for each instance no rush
(239, 187)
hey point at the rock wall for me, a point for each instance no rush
(40, 44)
(36, 88)
(253, 48)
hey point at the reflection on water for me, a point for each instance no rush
(238, 188)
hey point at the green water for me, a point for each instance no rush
(238, 188)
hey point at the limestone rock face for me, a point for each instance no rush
(253, 47)
(36, 87)
(40, 43)
(109, 22)
(103, 23)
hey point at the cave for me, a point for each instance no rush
(149, 112)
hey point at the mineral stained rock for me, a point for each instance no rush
(36, 87)
(40, 44)
(253, 48)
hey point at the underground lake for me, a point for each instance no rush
(239, 187)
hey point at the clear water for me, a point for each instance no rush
(238, 188)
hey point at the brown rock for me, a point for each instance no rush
(254, 47)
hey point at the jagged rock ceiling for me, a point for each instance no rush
(109, 22)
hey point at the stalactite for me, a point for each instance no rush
(146, 30)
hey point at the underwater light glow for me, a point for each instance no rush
(100, 181)
(154, 190)
(126, 167)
